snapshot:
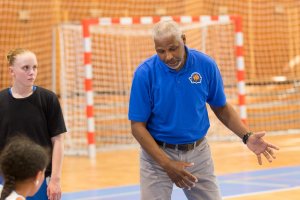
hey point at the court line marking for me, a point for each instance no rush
(256, 183)
(262, 192)
(109, 196)
(258, 176)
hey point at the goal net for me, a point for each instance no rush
(115, 47)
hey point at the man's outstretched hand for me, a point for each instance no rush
(258, 146)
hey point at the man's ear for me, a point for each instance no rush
(10, 68)
(183, 38)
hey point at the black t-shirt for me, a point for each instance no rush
(38, 116)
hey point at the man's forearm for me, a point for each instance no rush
(147, 142)
(230, 118)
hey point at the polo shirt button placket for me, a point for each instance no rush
(178, 79)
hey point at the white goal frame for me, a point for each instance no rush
(205, 20)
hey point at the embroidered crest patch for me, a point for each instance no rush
(195, 78)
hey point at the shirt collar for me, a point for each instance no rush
(183, 69)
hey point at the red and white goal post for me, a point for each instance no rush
(98, 74)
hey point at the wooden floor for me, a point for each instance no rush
(120, 168)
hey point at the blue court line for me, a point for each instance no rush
(236, 184)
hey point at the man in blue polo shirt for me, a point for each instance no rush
(169, 118)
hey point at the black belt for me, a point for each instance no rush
(181, 147)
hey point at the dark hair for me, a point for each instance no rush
(13, 53)
(20, 160)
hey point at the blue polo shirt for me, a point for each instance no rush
(173, 104)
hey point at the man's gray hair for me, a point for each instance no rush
(166, 28)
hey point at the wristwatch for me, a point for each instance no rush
(246, 137)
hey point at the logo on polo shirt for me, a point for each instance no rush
(195, 78)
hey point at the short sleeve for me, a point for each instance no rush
(216, 94)
(140, 101)
(56, 123)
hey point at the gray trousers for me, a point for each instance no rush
(156, 184)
